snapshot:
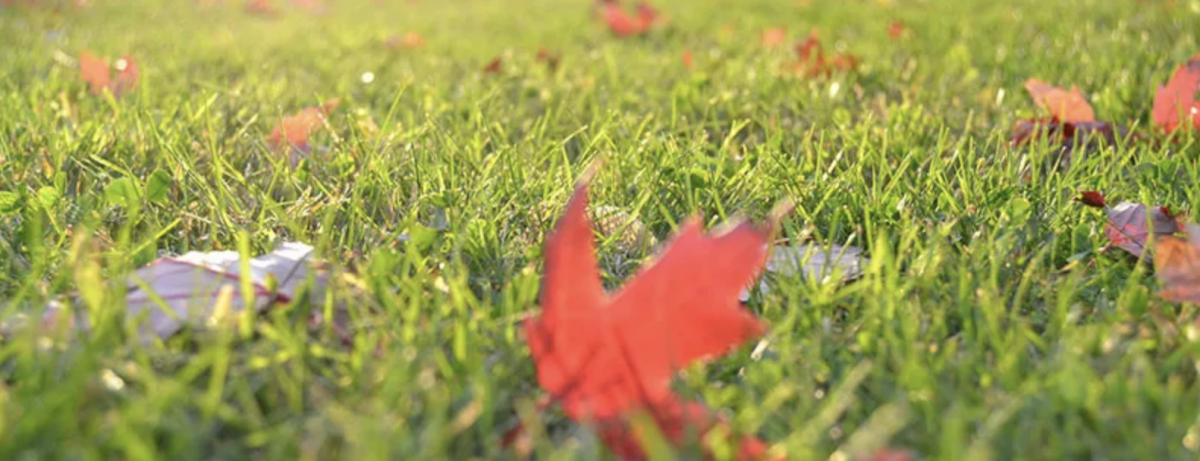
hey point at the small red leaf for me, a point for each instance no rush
(293, 131)
(410, 40)
(94, 71)
(774, 36)
(98, 75)
(1175, 104)
(811, 60)
(1091, 198)
(896, 29)
(545, 56)
(495, 66)
(1068, 106)
(810, 45)
(619, 22)
(622, 24)
(647, 16)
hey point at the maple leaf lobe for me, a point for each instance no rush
(601, 356)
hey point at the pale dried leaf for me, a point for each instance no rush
(1127, 228)
(629, 232)
(812, 261)
(173, 292)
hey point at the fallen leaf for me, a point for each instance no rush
(1067, 134)
(1177, 264)
(687, 59)
(630, 233)
(1127, 229)
(1092, 198)
(494, 67)
(619, 22)
(293, 131)
(805, 49)
(896, 29)
(1067, 106)
(774, 36)
(812, 62)
(173, 292)
(262, 8)
(410, 40)
(98, 75)
(95, 72)
(647, 16)
(1175, 104)
(622, 24)
(842, 62)
(1072, 122)
(813, 262)
(604, 357)
(545, 56)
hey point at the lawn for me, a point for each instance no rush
(991, 322)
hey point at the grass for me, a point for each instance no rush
(987, 326)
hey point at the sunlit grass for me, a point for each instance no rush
(987, 326)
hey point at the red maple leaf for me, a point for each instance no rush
(98, 75)
(605, 357)
(1175, 104)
